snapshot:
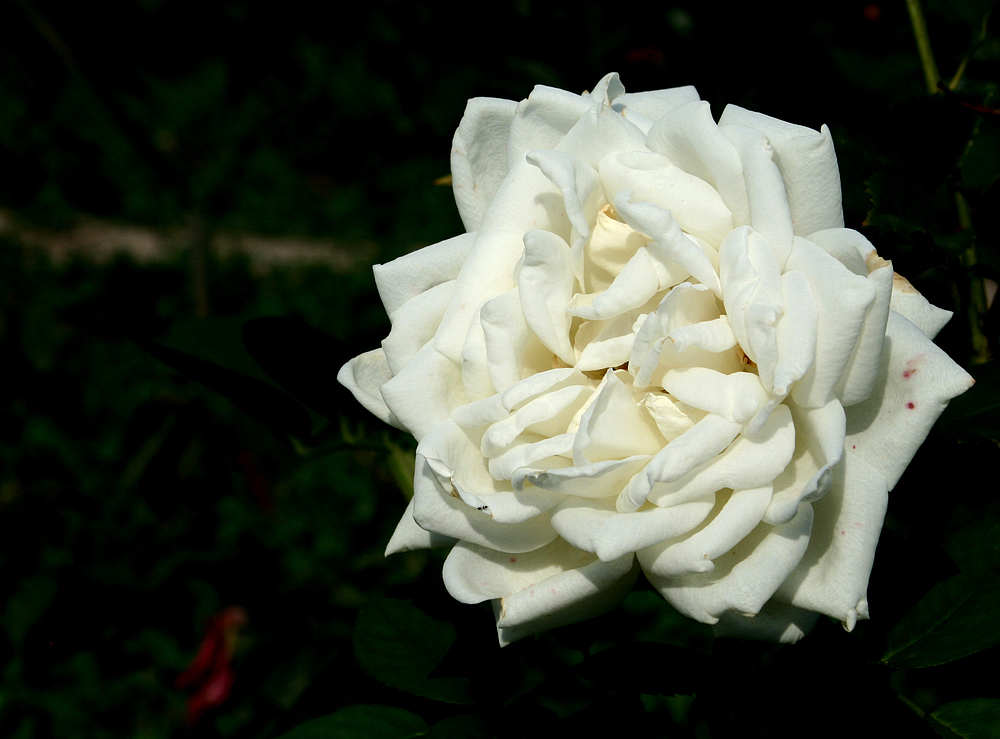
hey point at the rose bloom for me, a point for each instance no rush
(655, 348)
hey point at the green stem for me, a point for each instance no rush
(960, 72)
(931, 75)
(977, 291)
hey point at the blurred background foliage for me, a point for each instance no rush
(202, 187)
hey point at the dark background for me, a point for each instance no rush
(153, 499)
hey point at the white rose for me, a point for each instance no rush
(658, 348)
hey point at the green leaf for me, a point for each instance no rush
(256, 398)
(401, 465)
(465, 726)
(980, 163)
(29, 603)
(972, 718)
(301, 359)
(399, 644)
(361, 722)
(960, 615)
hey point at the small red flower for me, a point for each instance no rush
(211, 672)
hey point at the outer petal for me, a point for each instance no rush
(418, 403)
(403, 279)
(916, 381)
(363, 376)
(549, 587)
(915, 308)
(776, 622)
(488, 272)
(643, 108)
(479, 156)
(408, 535)
(415, 323)
(543, 119)
(833, 575)
(447, 472)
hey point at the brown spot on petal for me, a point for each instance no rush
(513, 560)
(902, 285)
(911, 406)
(873, 261)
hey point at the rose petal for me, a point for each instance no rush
(513, 350)
(415, 323)
(751, 284)
(732, 518)
(669, 243)
(547, 415)
(746, 577)
(595, 480)
(858, 380)
(488, 271)
(694, 204)
(445, 457)
(916, 380)
(613, 426)
(702, 442)
(808, 165)
(582, 197)
(689, 137)
(844, 298)
(736, 397)
(641, 278)
(749, 462)
(364, 376)
(479, 156)
(408, 536)
(531, 454)
(605, 343)
(405, 278)
(495, 408)
(914, 307)
(642, 108)
(539, 590)
(769, 210)
(819, 445)
(833, 575)
(542, 120)
(420, 405)
(599, 132)
(775, 622)
(545, 285)
(595, 526)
